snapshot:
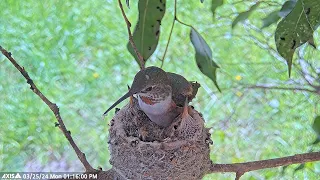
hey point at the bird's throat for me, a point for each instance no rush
(147, 100)
(154, 107)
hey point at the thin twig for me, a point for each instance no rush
(54, 108)
(236, 106)
(176, 17)
(279, 88)
(172, 26)
(178, 20)
(241, 168)
(140, 57)
(238, 175)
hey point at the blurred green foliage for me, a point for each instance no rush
(75, 51)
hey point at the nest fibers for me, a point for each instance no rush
(140, 149)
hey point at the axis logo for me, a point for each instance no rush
(11, 176)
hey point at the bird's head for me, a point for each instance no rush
(147, 82)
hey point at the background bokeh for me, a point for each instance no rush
(75, 51)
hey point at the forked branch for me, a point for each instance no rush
(241, 168)
(54, 108)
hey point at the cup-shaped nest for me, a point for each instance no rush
(140, 149)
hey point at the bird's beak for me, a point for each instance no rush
(128, 94)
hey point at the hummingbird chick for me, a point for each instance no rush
(189, 127)
(158, 94)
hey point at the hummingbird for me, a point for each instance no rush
(160, 94)
(187, 126)
(190, 128)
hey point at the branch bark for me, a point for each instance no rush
(241, 168)
(54, 108)
(140, 57)
(279, 88)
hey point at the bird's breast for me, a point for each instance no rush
(154, 107)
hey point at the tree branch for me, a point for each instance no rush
(54, 108)
(241, 168)
(172, 26)
(142, 61)
(279, 88)
(171, 30)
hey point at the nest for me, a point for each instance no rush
(140, 149)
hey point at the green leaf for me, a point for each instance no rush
(276, 15)
(316, 141)
(316, 125)
(287, 8)
(214, 5)
(297, 28)
(316, 128)
(270, 19)
(283, 170)
(147, 31)
(204, 57)
(128, 3)
(300, 167)
(201, 1)
(244, 15)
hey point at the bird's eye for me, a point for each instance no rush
(149, 88)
